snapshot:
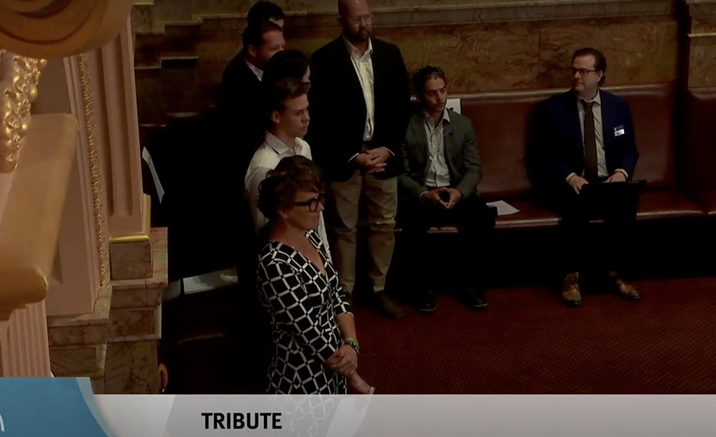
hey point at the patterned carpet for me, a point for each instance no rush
(526, 342)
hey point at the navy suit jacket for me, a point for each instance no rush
(560, 136)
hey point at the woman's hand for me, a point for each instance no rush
(344, 361)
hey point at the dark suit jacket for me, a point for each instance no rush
(241, 123)
(560, 136)
(338, 110)
(461, 155)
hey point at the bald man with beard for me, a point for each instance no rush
(356, 141)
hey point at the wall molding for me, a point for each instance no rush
(475, 13)
(702, 8)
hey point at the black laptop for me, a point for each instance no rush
(609, 187)
(611, 191)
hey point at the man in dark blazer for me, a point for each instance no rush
(439, 187)
(586, 136)
(240, 130)
(359, 100)
(240, 91)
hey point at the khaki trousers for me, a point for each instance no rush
(380, 197)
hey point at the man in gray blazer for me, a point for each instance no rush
(438, 188)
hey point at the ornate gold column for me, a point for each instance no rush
(82, 265)
(100, 324)
(116, 116)
(37, 154)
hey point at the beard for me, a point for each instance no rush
(361, 35)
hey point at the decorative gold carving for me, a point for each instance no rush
(58, 28)
(19, 77)
(95, 170)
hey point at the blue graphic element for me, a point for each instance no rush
(87, 393)
(32, 407)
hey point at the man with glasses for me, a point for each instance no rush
(288, 112)
(360, 100)
(585, 137)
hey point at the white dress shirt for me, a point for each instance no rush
(598, 132)
(266, 158)
(258, 72)
(438, 174)
(363, 64)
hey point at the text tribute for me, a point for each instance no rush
(242, 420)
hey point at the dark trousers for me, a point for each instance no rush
(476, 223)
(584, 249)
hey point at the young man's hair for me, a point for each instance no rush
(600, 61)
(423, 75)
(264, 11)
(254, 34)
(285, 64)
(278, 93)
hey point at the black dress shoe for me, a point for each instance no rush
(475, 299)
(427, 303)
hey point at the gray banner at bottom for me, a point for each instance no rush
(416, 416)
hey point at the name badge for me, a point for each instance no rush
(619, 131)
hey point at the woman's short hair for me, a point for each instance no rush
(285, 64)
(291, 175)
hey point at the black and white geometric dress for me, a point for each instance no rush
(302, 303)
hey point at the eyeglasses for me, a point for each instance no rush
(360, 19)
(581, 71)
(312, 204)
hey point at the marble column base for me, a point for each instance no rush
(117, 345)
(78, 344)
(131, 256)
(130, 260)
(132, 365)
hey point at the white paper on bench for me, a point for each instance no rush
(503, 208)
(157, 183)
(210, 281)
(453, 104)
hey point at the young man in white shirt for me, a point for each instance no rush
(288, 112)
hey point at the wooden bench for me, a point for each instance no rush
(501, 121)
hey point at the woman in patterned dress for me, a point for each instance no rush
(312, 326)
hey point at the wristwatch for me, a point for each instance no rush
(352, 342)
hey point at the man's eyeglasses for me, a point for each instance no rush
(360, 19)
(312, 204)
(581, 71)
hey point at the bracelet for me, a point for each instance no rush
(352, 342)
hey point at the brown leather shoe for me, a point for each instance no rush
(385, 305)
(570, 290)
(623, 289)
